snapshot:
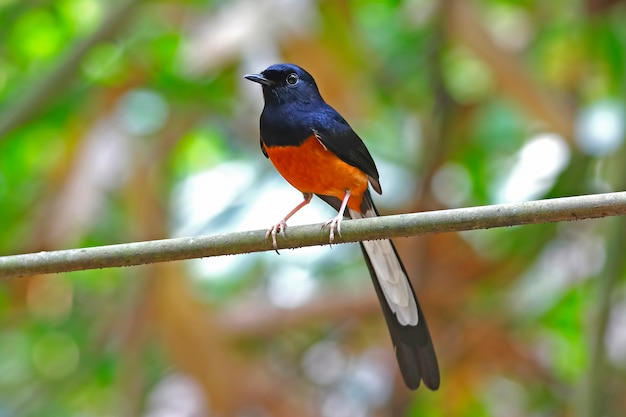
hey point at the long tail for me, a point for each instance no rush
(406, 323)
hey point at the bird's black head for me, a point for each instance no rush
(286, 83)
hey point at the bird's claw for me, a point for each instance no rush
(278, 228)
(333, 224)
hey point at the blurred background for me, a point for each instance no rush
(129, 120)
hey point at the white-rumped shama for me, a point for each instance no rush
(317, 152)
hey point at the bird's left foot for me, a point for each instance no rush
(334, 224)
(278, 228)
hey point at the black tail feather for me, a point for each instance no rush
(413, 345)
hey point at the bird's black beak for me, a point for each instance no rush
(258, 78)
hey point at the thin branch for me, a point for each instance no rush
(512, 78)
(57, 81)
(485, 217)
(595, 386)
(596, 399)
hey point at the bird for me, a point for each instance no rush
(314, 148)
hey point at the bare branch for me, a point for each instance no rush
(472, 218)
(57, 81)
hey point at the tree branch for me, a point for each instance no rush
(596, 399)
(484, 217)
(31, 103)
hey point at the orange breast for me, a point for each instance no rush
(311, 168)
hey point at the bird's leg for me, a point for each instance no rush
(282, 224)
(335, 222)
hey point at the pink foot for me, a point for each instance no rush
(334, 224)
(278, 228)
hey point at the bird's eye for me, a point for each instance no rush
(292, 78)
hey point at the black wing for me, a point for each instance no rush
(339, 138)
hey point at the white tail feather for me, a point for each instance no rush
(392, 279)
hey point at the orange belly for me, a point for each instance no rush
(311, 168)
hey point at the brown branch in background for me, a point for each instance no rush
(464, 24)
(596, 387)
(472, 218)
(57, 81)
